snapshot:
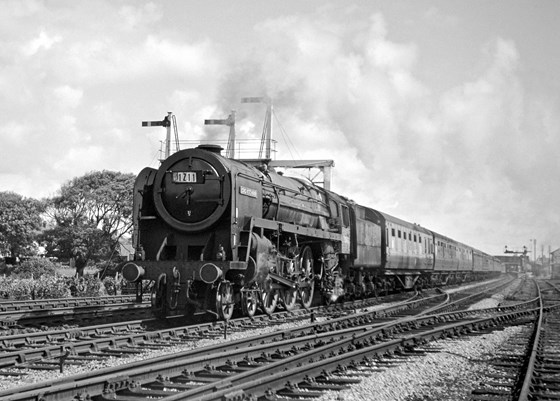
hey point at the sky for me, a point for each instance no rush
(443, 113)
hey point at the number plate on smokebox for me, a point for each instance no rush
(184, 176)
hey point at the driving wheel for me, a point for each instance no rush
(289, 298)
(224, 300)
(249, 302)
(307, 277)
(269, 300)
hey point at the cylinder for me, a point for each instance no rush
(132, 272)
(209, 273)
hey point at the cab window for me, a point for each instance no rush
(345, 216)
(334, 208)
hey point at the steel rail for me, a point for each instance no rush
(66, 315)
(41, 304)
(88, 336)
(174, 334)
(293, 369)
(113, 378)
(108, 375)
(537, 340)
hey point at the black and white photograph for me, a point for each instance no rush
(279, 200)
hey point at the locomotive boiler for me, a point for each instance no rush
(216, 235)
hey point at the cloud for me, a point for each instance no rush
(140, 15)
(42, 42)
(75, 87)
(455, 161)
(68, 96)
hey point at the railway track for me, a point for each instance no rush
(528, 368)
(54, 303)
(42, 348)
(73, 314)
(358, 330)
(541, 377)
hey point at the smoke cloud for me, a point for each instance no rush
(457, 161)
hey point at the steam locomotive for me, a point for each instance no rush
(215, 235)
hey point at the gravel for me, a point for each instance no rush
(426, 375)
(36, 376)
(449, 373)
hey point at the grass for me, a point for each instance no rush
(68, 271)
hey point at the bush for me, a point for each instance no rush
(87, 286)
(113, 285)
(34, 268)
(17, 289)
(50, 286)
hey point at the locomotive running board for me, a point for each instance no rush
(257, 222)
(281, 280)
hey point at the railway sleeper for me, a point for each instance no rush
(114, 352)
(85, 358)
(491, 391)
(483, 397)
(193, 379)
(114, 397)
(324, 387)
(502, 376)
(499, 384)
(143, 392)
(545, 396)
(45, 365)
(330, 378)
(172, 385)
(354, 373)
(293, 390)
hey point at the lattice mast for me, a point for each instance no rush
(230, 122)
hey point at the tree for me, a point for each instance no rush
(91, 213)
(79, 242)
(20, 222)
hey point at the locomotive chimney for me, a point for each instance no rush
(211, 148)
